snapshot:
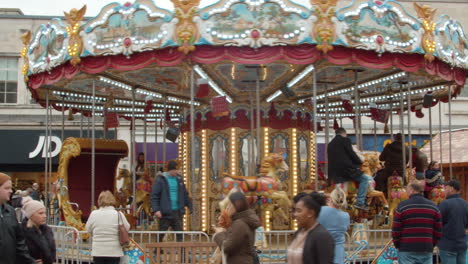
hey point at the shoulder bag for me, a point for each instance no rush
(123, 233)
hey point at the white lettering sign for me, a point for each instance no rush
(41, 146)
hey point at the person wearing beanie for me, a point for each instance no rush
(13, 249)
(169, 197)
(39, 236)
(237, 241)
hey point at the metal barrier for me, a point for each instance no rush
(68, 244)
(362, 246)
(368, 244)
(145, 237)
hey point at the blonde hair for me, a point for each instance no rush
(338, 198)
(106, 198)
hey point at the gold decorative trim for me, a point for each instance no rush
(186, 32)
(426, 14)
(25, 39)
(72, 148)
(75, 43)
(324, 30)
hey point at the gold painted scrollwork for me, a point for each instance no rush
(186, 32)
(426, 14)
(324, 29)
(70, 149)
(25, 38)
(75, 44)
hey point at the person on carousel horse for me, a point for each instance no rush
(344, 165)
(392, 155)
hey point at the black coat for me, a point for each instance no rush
(393, 156)
(343, 163)
(319, 247)
(161, 198)
(13, 249)
(41, 244)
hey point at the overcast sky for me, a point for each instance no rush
(56, 7)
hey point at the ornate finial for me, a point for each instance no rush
(324, 29)
(75, 44)
(25, 38)
(186, 30)
(426, 13)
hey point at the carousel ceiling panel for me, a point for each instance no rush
(172, 80)
(239, 79)
(102, 89)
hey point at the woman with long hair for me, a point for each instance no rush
(312, 244)
(334, 218)
(103, 224)
(238, 240)
(38, 235)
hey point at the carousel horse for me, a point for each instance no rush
(437, 194)
(396, 192)
(143, 193)
(267, 184)
(125, 191)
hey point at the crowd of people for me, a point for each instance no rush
(418, 225)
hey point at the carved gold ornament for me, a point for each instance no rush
(324, 29)
(75, 44)
(72, 148)
(426, 14)
(186, 32)
(25, 39)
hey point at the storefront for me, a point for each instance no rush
(23, 152)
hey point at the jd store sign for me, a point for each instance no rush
(30, 147)
(49, 148)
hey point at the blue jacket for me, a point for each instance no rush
(161, 199)
(454, 212)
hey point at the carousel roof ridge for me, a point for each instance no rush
(377, 25)
(155, 47)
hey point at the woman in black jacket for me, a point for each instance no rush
(12, 246)
(312, 244)
(39, 237)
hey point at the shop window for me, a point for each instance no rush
(8, 80)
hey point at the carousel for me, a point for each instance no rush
(245, 86)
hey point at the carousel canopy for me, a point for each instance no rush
(139, 51)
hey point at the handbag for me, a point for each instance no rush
(123, 233)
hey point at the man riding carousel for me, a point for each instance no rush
(344, 165)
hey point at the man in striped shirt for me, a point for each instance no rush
(416, 227)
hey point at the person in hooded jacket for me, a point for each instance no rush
(39, 236)
(13, 249)
(392, 155)
(238, 240)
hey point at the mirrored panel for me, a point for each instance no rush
(303, 158)
(280, 144)
(249, 154)
(219, 156)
